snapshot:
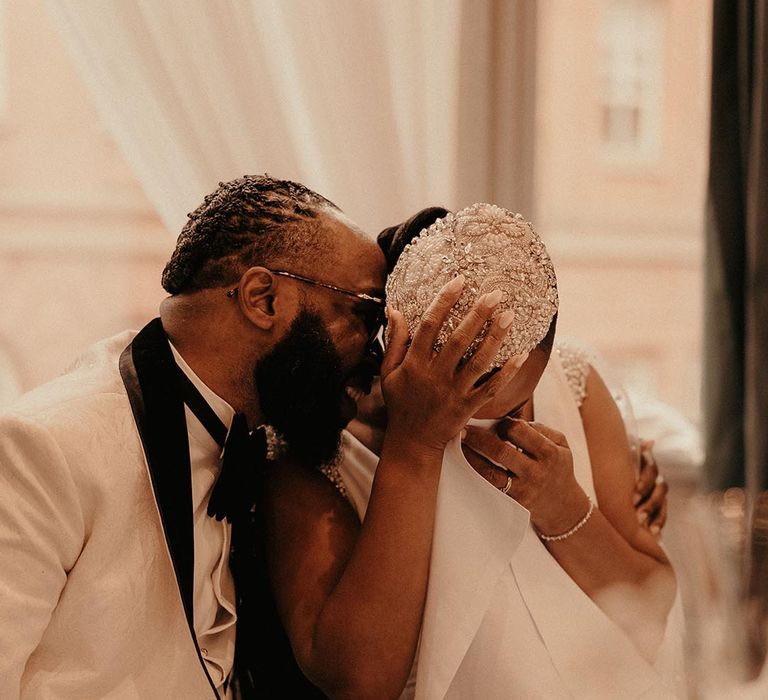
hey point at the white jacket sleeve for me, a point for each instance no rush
(42, 530)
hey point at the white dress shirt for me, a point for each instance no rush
(214, 589)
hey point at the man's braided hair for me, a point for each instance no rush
(254, 220)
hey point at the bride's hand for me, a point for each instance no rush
(430, 396)
(540, 471)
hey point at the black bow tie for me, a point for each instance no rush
(245, 455)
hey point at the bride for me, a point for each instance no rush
(540, 581)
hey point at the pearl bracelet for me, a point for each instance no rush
(573, 530)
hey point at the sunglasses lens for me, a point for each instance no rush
(375, 327)
(376, 347)
(373, 319)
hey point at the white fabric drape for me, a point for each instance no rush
(358, 100)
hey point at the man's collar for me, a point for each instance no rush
(221, 408)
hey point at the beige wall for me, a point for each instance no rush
(575, 187)
(626, 240)
(80, 247)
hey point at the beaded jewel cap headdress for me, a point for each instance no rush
(494, 249)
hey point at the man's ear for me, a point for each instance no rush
(256, 297)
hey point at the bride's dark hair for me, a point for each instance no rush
(393, 240)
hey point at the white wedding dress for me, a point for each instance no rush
(502, 618)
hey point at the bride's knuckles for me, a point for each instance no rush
(522, 433)
(550, 433)
(432, 321)
(494, 449)
(398, 343)
(466, 332)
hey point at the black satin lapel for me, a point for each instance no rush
(147, 368)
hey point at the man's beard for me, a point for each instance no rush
(300, 385)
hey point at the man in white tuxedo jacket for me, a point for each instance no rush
(115, 582)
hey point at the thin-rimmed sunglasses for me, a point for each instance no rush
(373, 320)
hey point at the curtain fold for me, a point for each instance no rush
(358, 100)
(736, 277)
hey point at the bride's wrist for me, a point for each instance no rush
(573, 513)
(404, 444)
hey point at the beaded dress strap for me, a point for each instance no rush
(333, 474)
(577, 364)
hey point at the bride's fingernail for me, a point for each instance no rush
(455, 284)
(463, 433)
(521, 359)
(505, 319)
(492, 299)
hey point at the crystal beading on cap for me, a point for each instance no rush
(494, 249)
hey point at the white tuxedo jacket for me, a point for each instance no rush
(96, 549)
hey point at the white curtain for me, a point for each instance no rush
(357, 99)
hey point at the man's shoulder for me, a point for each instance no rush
(92, 383)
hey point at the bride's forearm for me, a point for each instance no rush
(615, 560)
(364, 636)
(634, 588)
